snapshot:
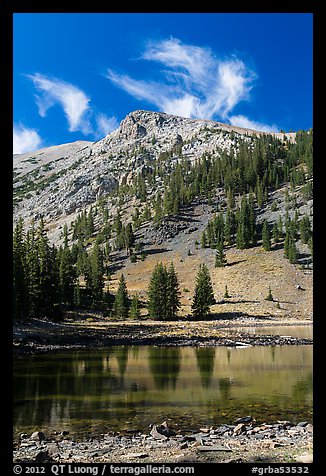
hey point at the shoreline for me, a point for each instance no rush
(41, 336)
(248, 441)
(245, 441)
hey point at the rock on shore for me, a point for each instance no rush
(247, 441)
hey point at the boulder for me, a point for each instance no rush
(246, 419)
(240, 428)
(37, 436)
(156, 434)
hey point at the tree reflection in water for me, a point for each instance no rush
(164, 363)
(205, 362)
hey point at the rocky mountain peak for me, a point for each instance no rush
(60, 181)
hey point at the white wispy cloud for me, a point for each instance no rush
(105, 124)
(73, 101)
(195, 83)
(243, 121)
(25, 139)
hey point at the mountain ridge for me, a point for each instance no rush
(159, 187)
(60, 181)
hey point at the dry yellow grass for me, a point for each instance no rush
(248, 275)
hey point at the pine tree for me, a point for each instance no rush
(269, 296)
(146, 216)
(246, 224)
(229, 227)
(168, 200)
(280, 227)
(141, 188)
(121, 302)
(119, 231)
(173, 294)
(135, 308)
(226, 292)
(290, 249)
(266, 239)
(158, 209)
(203, 241)
(77, 299)
(305, 229)
(32, 272)
(240, 237)
(259, 193)
(129, 238)
(20, 286)
(157, 293)
(67, 275)
(47, 279)
(204, 294)
(293, 252)
(310, 244)
(65, 235)
(230, 198)
(94, 276)
(136, 218)
(89, 223)
(220, 259)
(275, 233)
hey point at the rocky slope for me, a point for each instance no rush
(60, 181)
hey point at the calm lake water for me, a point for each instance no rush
(129, 387)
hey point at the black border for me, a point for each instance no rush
(7, 9)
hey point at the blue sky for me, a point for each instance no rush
(76, 76)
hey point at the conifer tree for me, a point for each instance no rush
(129, 238)
(252, 221)
(135, 308)
(229, 227)
(32, 272)
(168, 201)
(146, 215)
(20, 286)
(246, 224)
(305, 229)
(220, 258)
(204, 294)
(157, 293)
(266, 239)
(240, 237)
(286, 243)
(141, 188)
(269, 296)
(90, 223)
(94, 275)
(280, 227)
(121, 302)
(67, 275)
(136, 218)
(203, 240)
(226, 292)
(65, 235)
(310, 244)
(275, 233)
(47, 279)
(290, 249)
(77, 298)
(158, 209)
(293, 252)
(173, 294)
(120, 232)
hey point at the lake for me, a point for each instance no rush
(131, 387)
